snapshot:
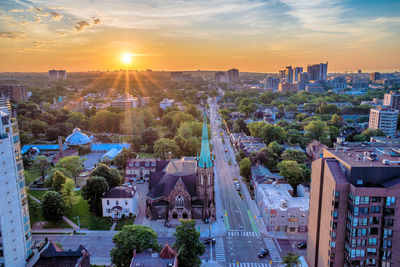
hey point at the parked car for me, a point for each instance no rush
(302, 245)
(140, 182)
(263, 252)
(209, 241)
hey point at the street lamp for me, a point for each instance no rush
(79, 223)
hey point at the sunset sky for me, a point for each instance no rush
(261, 36)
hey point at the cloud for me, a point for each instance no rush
(56, 16)
(80, 25)
(96, 21)
(17, 10)
(12, 35)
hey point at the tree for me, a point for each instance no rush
(372, 132)
(132, 237)
(336, 121)
(77, 119)
(93, 190)
(67, 191)
(41, 163)
(149, 136)
(164, 145)
(292, 172)
(180, 118)
(316, 129)
(121, 159)
(52, 134)
(52, 206)
(188, 244)
(58, 180)
(74, 164)
(245, 169)
(112, 176)
(136, 142)
(50, 175)
(291, 260)
(327, 109)
(38, 127)
(294, 154)
(271, 133)
(276, 148)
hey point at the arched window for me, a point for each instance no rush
(209, 179)
(179, 201)
(201, 179)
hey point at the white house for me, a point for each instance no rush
(166, 103)
(120, 200)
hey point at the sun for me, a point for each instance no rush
(126, 58)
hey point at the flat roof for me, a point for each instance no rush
(277, 196)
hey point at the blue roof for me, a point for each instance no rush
(108, 146)
(205, 157)
(77, 138)
(25, 148)
(112, 153)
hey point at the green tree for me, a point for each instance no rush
(67, 191)
(132, 237)
(149, 136)
(188, 244)
(336, 121)
(327, 109)
(77, 119)
(301, 117)
(93, 190)
(38, 127)
(245, 168)
(164, 145)
(41, 163)
(294, 154)
(148, 117)
(52, 133)
(50, 175)
(271, 133)
(192, 110)
(74, 164)
(112, 176)
(180, 118)
(277, 148)
(291, 260)
(316, 129)
(52, 206)
(292, 172)
(58, 180)
(121, 159)
(372, 132)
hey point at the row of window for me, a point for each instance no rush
(117, 202)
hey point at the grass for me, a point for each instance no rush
(87, 219)
(35, 214)
(30, 175)
(146, 155)
(122, 222)
(37, 193)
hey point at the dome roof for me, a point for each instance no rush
(77, 138)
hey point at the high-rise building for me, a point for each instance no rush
(303, 80)
(271, 84)
(16, 93)
(392, 100)
(289, 74)
(287, 87)
(221, 77)
(57, 74)
(373, 76)
(354, 207)
(384, 119)
(282, 74)
(318, 72)
(297, 72)
(15, 233)
(233, 75)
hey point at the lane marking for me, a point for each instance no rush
(253, 224)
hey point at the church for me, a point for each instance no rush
(183, 188)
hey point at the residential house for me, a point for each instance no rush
(139, 169)
(120, 201)
(315, 149)
(53, 255)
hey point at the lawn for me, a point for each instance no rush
(30, 175)
(146, 155)
(35, 215)
(37, 193)
(87, 219)
(122, 222)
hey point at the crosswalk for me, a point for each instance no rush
(273, 251)
(219, 250)
(243, 233)
(249, 264)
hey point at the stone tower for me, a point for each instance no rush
(205, 176)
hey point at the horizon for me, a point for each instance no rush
(250, 35)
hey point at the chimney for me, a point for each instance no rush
(169, 155)
(60, 146)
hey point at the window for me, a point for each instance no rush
(373, 230)
(375, 209)
(126, 202)
(376, 199)
(387, 233)
(201, 179)
(374, 220)
(179, 202)
(386, 244)
(335, 214)
(333, 244)
(337, 194)
(108, 210)
(372, 241)
(116, 202)
(390, 201)
(371, 251)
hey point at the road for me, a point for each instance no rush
(243, 240)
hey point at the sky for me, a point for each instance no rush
(251, 35)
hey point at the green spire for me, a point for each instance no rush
(205, 159)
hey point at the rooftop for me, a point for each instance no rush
(120, 192)
(277, 196)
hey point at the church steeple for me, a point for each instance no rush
(205, 157)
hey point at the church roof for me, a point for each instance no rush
(77, 138)
(181, 167)
(205, 157)
(164, 183)
(167, 252)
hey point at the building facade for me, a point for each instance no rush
(297, 72)
(166, 103)
(120, 201)
(16, 93)
(57, 74)
(125, 101)
(384, 119)
(392, 100)
(140, 169)
(374, 76)
(271, 84)
(221, 77)
(289, 74)
(287, 87)
(354, 207)
(318, 72)
(233, 76)
(184, 188)
(15, 232)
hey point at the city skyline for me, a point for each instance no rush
(253, 36)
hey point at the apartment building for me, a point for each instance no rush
(15, 233)
(354, 207)
(384, 119)
(392, 100)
